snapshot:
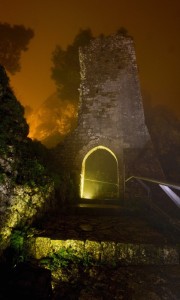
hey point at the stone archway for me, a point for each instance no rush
(99, 176)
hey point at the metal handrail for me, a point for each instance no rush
(162, 184)
(175, 186)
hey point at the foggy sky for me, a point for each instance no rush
(154, 25)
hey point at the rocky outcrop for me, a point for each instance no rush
(25, 189)
(20, 205)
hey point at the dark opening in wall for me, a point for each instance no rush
(99, 174)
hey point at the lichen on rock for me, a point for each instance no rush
(25, 188)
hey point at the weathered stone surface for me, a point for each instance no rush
(25, 189)
(108, 252)
(94, 249)
(20, 206)
(111, 112)
(42, 247)
(146, 254)
(75, 245)
(130, 259)
(56, 245)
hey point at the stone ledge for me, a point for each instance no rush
(108, 252)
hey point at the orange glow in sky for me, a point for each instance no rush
(154, 25)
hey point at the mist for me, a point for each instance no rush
(52, 121)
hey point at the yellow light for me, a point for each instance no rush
(91, 193)
(48, 121)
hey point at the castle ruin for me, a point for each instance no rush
(111, 141)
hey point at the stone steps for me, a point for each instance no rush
(99, 207)
(109, 233)
(96, 209)
(107, 252)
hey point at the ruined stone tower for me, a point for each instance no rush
(111, 141)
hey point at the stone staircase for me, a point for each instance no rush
(108, 231)
(135, 254)
(97, 207)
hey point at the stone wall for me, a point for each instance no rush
(20, 205)
(106, 251)
(111, 111)
(25, 190)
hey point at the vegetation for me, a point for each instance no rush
(20, 161)
(164, 128)
(66, 69)
(65, 258)
(13, 40)
(16, 248)
(13, 127)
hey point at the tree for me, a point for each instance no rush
(164, 128)
(123, 31)
(13, 126)
(13, 40)
(66, 69)
(18, 158)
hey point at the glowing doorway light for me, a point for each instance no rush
(90, 194)
(174, 197)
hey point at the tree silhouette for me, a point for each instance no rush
(13, 40)
(66, 69)
(19, 159)
(164, 128)
(13, 126)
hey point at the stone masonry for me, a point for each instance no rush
(111, 111)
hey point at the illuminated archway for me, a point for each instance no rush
(99, 175)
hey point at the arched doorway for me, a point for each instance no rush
(99, 176)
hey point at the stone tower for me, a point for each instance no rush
(111, 141)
